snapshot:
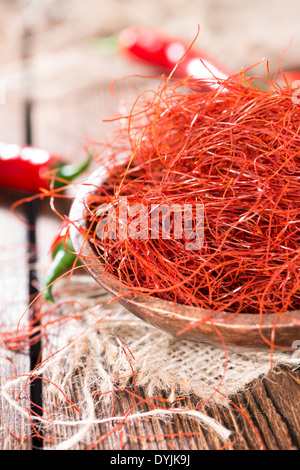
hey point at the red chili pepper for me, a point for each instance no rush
(158, 49)
(63, 256)
(27, 168)
(292, 77)
(59, 237)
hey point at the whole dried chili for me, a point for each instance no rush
(28, 169)
(166, 52)
(292, 77)
(63, 256)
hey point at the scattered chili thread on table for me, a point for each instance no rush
(244, 414)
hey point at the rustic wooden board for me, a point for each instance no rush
(14, 296)
(13, 238)
(13, 287)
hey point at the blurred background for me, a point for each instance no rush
(49, 55)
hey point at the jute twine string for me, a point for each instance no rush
(92, 349)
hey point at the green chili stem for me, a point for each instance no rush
(63, 261)
(70, 171)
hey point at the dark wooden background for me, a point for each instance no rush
(57, 90)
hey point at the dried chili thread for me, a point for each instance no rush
(237, 153)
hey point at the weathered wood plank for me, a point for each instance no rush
(14, 300)
(13, 238)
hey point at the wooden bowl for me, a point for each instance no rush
(243, 332)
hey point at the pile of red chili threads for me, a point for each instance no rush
(237, 153)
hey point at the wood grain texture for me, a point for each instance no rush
(16, 250)
(14, 297)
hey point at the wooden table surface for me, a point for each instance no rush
(54, 107)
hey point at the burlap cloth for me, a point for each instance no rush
(106, 346)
